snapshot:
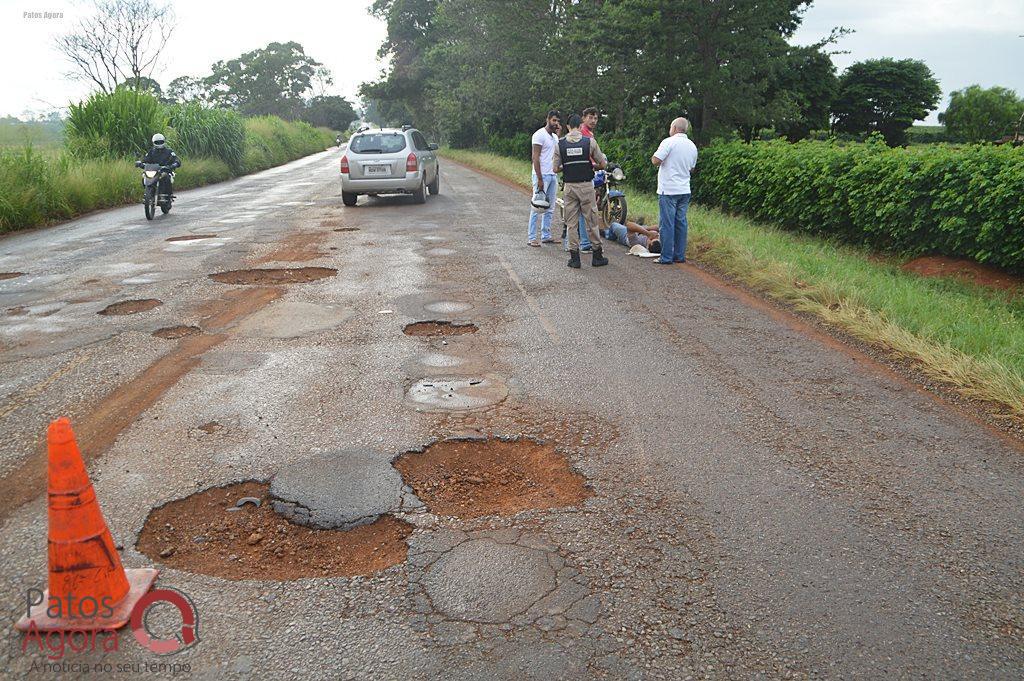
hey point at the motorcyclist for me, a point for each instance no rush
(162, 154)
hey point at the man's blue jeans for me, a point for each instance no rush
(672, 226)
(550, 189)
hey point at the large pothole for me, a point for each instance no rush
(201, 534)
(432, 329)
(10, 275)
(457, 393)
(472, 478)
(176, 332)
(125, 307)
(271, 276)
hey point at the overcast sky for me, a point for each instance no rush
(963, 41)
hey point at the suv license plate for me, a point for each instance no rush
(378, 170)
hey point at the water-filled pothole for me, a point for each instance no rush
(10, 275)
(347, 229)
(438, 328)
(448, 306)
(472, 478)
(176, 332)
(191, 237)
(200, 534)
(291, 275)
(456, 393)
(130, 307)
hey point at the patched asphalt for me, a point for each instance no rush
(764, 505)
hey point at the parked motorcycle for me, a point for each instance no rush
(152, 175)
(611, 202)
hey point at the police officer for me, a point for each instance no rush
(161, 154)
(577, 158)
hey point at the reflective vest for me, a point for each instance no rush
(576, 165)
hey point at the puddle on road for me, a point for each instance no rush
(473, 478)
(291, 275)
(464, 393)
(199, 534)
(448, 307)
(176, 332)
(125, 307)
(438, 328)
(10, 275)
(192, 237)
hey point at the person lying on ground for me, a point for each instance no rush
(633, 234)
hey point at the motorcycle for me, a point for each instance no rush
(152, 175)
(611, 202)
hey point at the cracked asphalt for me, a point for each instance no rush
(765, 504)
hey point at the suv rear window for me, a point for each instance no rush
(378, 143)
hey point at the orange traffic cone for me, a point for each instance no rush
(89, 589)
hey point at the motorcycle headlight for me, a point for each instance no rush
(618, 175)
(151, 174)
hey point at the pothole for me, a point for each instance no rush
(472, 478)
(347, 229)
(448, 306)
(211, 427)
(291, 275)
(438, 328)
(10, 275)
(199, 534)
(176, 332)
(456, 393)
(130, 307)
(191, 237)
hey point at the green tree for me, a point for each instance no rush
(808, 79)
(330, 111)
(143, 84)
(272, 80)
(885, 95)
(184, 89)
(977, 114)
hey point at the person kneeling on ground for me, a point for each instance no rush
(633, 234)
(576, 159)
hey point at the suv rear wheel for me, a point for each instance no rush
(435, 185)
(349, 199)
(420, 195)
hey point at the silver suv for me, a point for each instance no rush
(389, 161)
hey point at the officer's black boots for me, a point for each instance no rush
(574, 259)
(598, 259)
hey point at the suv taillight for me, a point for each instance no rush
(344, 164)
(410, 164)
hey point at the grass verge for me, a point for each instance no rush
(40, 186)
(968, 337)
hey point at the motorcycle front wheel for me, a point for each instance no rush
(615, 210)
(149, 202)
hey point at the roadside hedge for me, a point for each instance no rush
(965, 201)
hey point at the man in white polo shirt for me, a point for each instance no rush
(544, 144)
(675, 158)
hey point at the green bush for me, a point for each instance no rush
(515, 146)
(202, 131)
(115, 125)
(961, 201)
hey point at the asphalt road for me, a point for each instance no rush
(766, 503)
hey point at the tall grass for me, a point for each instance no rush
(964, 335)
(37, 187)
(196, 130)
(115, 125)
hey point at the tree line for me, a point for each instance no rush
(119, 44)
(470, 70)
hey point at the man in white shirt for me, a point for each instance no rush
(675, 158)
(544, 144)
